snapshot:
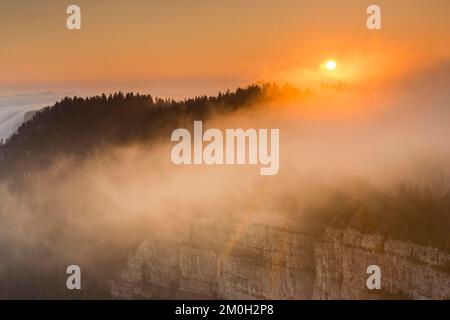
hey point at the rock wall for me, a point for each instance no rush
(408, 271)
(258, 261)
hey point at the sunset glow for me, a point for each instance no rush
(224, 150)
(121, 48)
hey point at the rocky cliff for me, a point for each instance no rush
(237, 260)
(408, 271)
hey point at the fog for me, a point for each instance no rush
(14, 109)
(95, 212)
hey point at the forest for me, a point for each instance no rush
(80, 126)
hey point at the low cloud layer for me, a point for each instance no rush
(93, 213)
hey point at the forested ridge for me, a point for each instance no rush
(77, 126)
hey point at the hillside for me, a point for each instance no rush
(100, 218)
(77, 126)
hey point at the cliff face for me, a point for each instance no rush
(408, 271)
(257, 261)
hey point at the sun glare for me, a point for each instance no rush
(331, 65)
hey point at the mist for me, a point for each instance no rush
(95, 212)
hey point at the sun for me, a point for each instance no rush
(331, 65)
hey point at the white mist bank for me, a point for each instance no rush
(11, 118)
(13, 109)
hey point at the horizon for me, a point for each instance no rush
(180, 49)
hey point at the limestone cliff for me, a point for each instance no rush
(408, 270)
(258, 261)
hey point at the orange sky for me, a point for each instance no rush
(142, 44)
